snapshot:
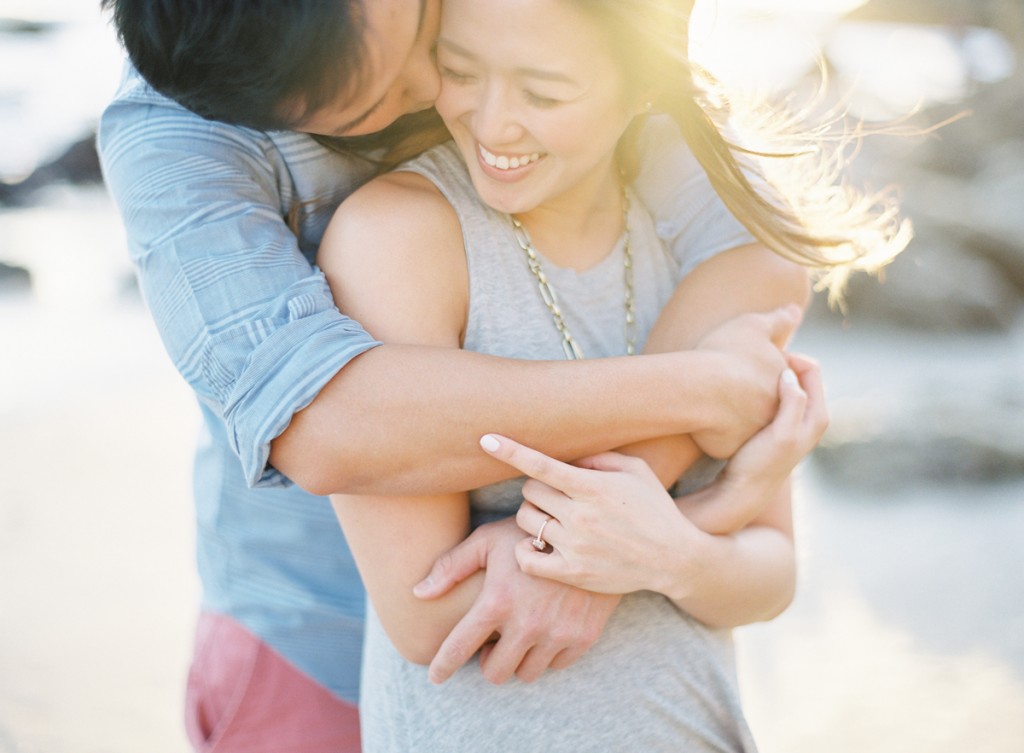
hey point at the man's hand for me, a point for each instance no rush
(747, 387)
(536, 624)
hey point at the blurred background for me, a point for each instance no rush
(908, 630)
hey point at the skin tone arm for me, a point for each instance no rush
(747, 277)
(444, 399)
(712, 293)
(613, 528)
(427, 308)
(525, 647)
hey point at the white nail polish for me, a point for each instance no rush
(489, 443)
(789, 377)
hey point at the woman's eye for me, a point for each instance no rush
(539, 101)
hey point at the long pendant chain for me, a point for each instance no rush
(547, 293)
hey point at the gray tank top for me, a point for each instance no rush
(657, 680)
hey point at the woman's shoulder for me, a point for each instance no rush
(393, 257)
(396, 199)
(397, 209)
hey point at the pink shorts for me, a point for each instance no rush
(243, 697)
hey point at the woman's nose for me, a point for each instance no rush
(494, 121)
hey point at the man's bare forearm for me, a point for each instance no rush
(406, 419)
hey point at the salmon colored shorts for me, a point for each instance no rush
(243, 697)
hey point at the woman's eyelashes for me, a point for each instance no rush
(538, 100)
(461, 78)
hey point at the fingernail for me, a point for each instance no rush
(423, 587)
(789, 377)
(490, 443)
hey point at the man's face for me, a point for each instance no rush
(401, 74)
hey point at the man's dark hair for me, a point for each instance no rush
(265, 64)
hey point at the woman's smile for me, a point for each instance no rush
(506, 167)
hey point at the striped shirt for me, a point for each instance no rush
(249, 322)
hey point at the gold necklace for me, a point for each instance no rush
(547, 293)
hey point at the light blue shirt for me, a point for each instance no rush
(251, 325)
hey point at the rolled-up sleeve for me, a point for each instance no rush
(246, 319)
(689, 216)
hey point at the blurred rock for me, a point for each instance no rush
(963, 187)
(949, 433)
(24, 26)
(13, 277)
(78, 165)
(997, 201)
(938, 285)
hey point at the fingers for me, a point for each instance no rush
(503, 658)
(550, 565)
(554, 655)
(568, 656)
(536, 662)
(807, 369)
(466, 638)
(500, 660)
(547, 500)
(531, 519)
(803, 415)
(792, 399)
(809, 372)
(454, 566)
(530, 462)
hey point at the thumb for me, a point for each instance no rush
(453, 567)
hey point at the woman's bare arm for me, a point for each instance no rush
(444, 399)
(743, 280)
(420, 299)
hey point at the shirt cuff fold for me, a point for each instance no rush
(283, 376)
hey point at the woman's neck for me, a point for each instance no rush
(580, 227)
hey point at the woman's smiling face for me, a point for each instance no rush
(533, 97)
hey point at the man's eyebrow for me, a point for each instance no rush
(358, 121)
(541, 73)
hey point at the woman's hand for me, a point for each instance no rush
(610, 524)
(762, 465)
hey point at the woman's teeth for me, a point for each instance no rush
(504, 162)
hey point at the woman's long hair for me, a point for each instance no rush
(781, 176)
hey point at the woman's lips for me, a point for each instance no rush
(506, 167)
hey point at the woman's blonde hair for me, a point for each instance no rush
(782, 177)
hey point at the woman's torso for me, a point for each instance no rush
(657, 679)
